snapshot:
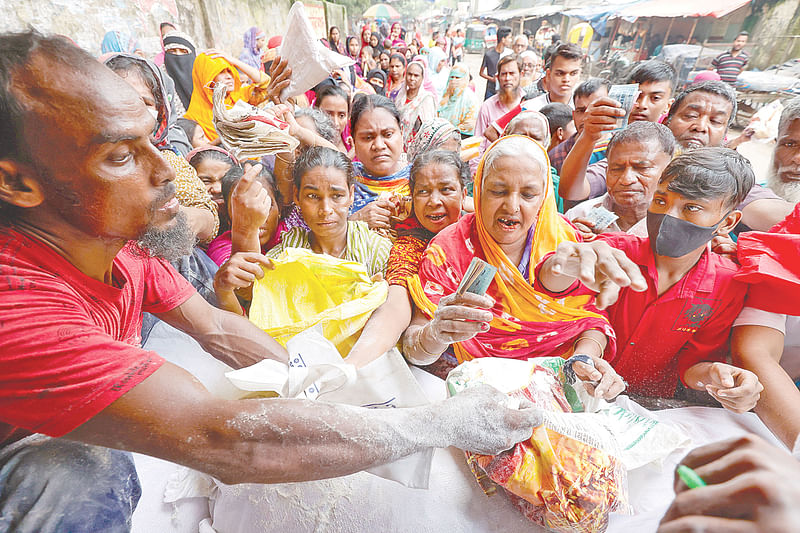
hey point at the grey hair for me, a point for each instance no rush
(516, 147)
(529, 114)
(791, 111)
(325, 127)
(520, 37)
(643, 131)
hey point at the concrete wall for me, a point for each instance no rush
(777, 21)
(212, 23)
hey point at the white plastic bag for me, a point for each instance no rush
(310, 61)
(317, 371)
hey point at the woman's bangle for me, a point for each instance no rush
(592, 339)
(422, 347)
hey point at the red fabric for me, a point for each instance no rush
(660, 337)
(771, 266)
(503, 121)
(70, 344)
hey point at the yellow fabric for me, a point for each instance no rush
(306, 289)
(201, 108)
(520, 303)
(189, 189)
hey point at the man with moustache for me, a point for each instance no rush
(87, 204)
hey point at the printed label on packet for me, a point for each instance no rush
(626, 95)
(601, 218)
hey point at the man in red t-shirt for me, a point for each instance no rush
(80, 184)
(677, 300)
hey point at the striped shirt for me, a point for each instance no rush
(729, 67)
(363, 246)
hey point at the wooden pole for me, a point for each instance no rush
(669, 29)
(691, 33)
(644, 40)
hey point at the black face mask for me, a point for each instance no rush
(673, 237)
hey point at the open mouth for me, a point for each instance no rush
(508, 224)
(437, 217)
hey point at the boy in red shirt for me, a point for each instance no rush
(670, 299)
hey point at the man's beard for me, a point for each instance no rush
(788, 190)
(171, 243)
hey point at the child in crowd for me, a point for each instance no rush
(194, 133)
(676, 300)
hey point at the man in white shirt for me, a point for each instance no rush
(562, 74)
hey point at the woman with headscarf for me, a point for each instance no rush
(377, 79)
(335, 40)
(119, 42)
(375, 42)
(353, 51)
(254, 40)
(437, 70)
(366, 34)
(212, 67)
(179, 59)
(459, 105)
(436, 134)
(397, 73)
(164, 28)
(415, 103)
(394, 35)
(515, 225)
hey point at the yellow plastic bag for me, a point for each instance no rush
(306, 289)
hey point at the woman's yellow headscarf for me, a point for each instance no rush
(201, 107)
(526, 323)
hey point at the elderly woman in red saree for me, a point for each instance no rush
(515, 225)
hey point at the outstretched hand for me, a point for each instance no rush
(601, 268)
(280, 77)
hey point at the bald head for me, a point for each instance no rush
(49, 87)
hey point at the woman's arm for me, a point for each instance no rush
(457, 318)
(384, 327)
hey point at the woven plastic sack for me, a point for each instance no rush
(569, 476)
(306, 289)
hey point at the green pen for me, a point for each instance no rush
(690, 477)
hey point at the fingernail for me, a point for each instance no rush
(556, 268)
(485, 326)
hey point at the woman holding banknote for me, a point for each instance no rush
(514, 226)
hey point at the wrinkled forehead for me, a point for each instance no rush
(81, 103)
(702, 100)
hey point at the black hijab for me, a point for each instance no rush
(377, 73)
(179, 67)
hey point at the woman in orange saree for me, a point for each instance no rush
(515, 225)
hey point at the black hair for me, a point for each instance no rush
(589, 87)
(645, 131)
(653, 71)
(331, 90)
(399, 57)
(568, 51)
(508, 59)
(503, 32)
(367, 102)
(163, 24)
(558, 115)
(235, 173)
(720, 88)
(321, 156)
(743, 33)
(16, 50)
(126, 64)
(322, 122)
(709, 173)
(440, 157)
(387, 52)
(216, 155)
(188, 126)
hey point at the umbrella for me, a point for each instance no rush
(381, 11)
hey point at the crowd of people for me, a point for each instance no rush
(121, 206)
